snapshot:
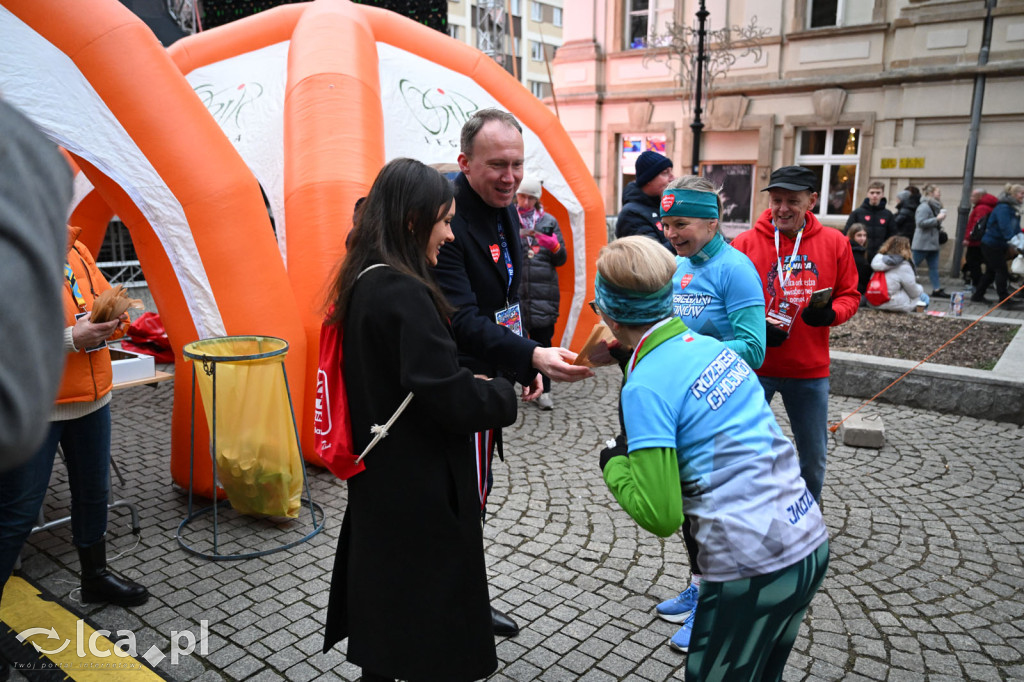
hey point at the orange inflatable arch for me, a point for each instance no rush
(127, 111)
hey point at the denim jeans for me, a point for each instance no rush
(806, 403)
(932, 257)
(86, 445)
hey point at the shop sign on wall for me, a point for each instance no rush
(903, 162)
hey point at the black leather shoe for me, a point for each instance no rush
(503, 625)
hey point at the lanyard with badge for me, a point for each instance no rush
(76, 293)
(509, 316)
(785, 314)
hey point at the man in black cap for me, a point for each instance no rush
(641, 210)
(810, 284)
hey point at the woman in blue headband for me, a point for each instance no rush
(716, 292)
(703, 442)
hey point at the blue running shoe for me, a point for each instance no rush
(676, 609)
(681, 640)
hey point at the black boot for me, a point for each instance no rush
(100, 585)
(502, 624)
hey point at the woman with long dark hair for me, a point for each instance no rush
(411, 529)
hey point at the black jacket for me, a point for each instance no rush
(641, 214)
(904, 223)
(539, 293)
(877, 220)
(477, 285)
(412, 523)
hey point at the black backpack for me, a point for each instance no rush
(978, 231)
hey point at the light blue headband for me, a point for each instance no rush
(690, 203)
(632, 307)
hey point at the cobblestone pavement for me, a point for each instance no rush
(926, 580)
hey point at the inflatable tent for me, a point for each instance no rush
(307, 101)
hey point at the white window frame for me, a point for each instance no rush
(536, 51)
(648, 14)
(537, 88)
(556, 16)
(454, 30)
(515, 8)
(848, 13)
(838, 16)
(536, 11)
(827, 161)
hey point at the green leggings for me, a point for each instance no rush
(745, 629)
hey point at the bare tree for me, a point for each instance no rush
(725, 47)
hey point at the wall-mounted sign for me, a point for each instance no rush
(903, 162)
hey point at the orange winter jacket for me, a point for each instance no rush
(87, 376)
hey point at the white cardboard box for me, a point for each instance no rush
(129, 366)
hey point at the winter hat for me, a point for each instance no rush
(648, 165)
(530, 187)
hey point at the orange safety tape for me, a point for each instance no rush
(834, 427)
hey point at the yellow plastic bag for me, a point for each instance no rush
(258, 460)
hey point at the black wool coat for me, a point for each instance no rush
(539, 294)
(409, 588)
(477, 284)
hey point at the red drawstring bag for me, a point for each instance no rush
(877, 292)
(332, 423)
(147, 335)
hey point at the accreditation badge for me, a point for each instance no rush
(511, 318)
(784, 316)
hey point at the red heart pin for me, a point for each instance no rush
(495, 252)
(685, 280)
(667, 201)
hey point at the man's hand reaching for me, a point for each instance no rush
(556, 364)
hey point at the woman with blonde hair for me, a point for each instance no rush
(703, 442)
(717, 292)
(1003, 224)
(928, 235)
(894, 259)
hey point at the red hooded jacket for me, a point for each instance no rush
(985, 204)
(825, 259)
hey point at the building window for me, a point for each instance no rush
(556, 16)
(644, 20)
(536, 11)
(514, 8)
(827, 13)
(536, 51)
(455, 31)
(832, 154)
(539, 89)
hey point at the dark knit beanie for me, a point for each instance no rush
(648, 165)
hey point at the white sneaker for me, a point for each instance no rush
(544, 402)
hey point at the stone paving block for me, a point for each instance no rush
(244, 667)
(864, 431)
(302, 672)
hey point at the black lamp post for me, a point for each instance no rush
(697, 126)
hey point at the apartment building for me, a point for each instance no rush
(857, 90)
(522, 34)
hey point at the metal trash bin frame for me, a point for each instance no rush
(210, 368)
